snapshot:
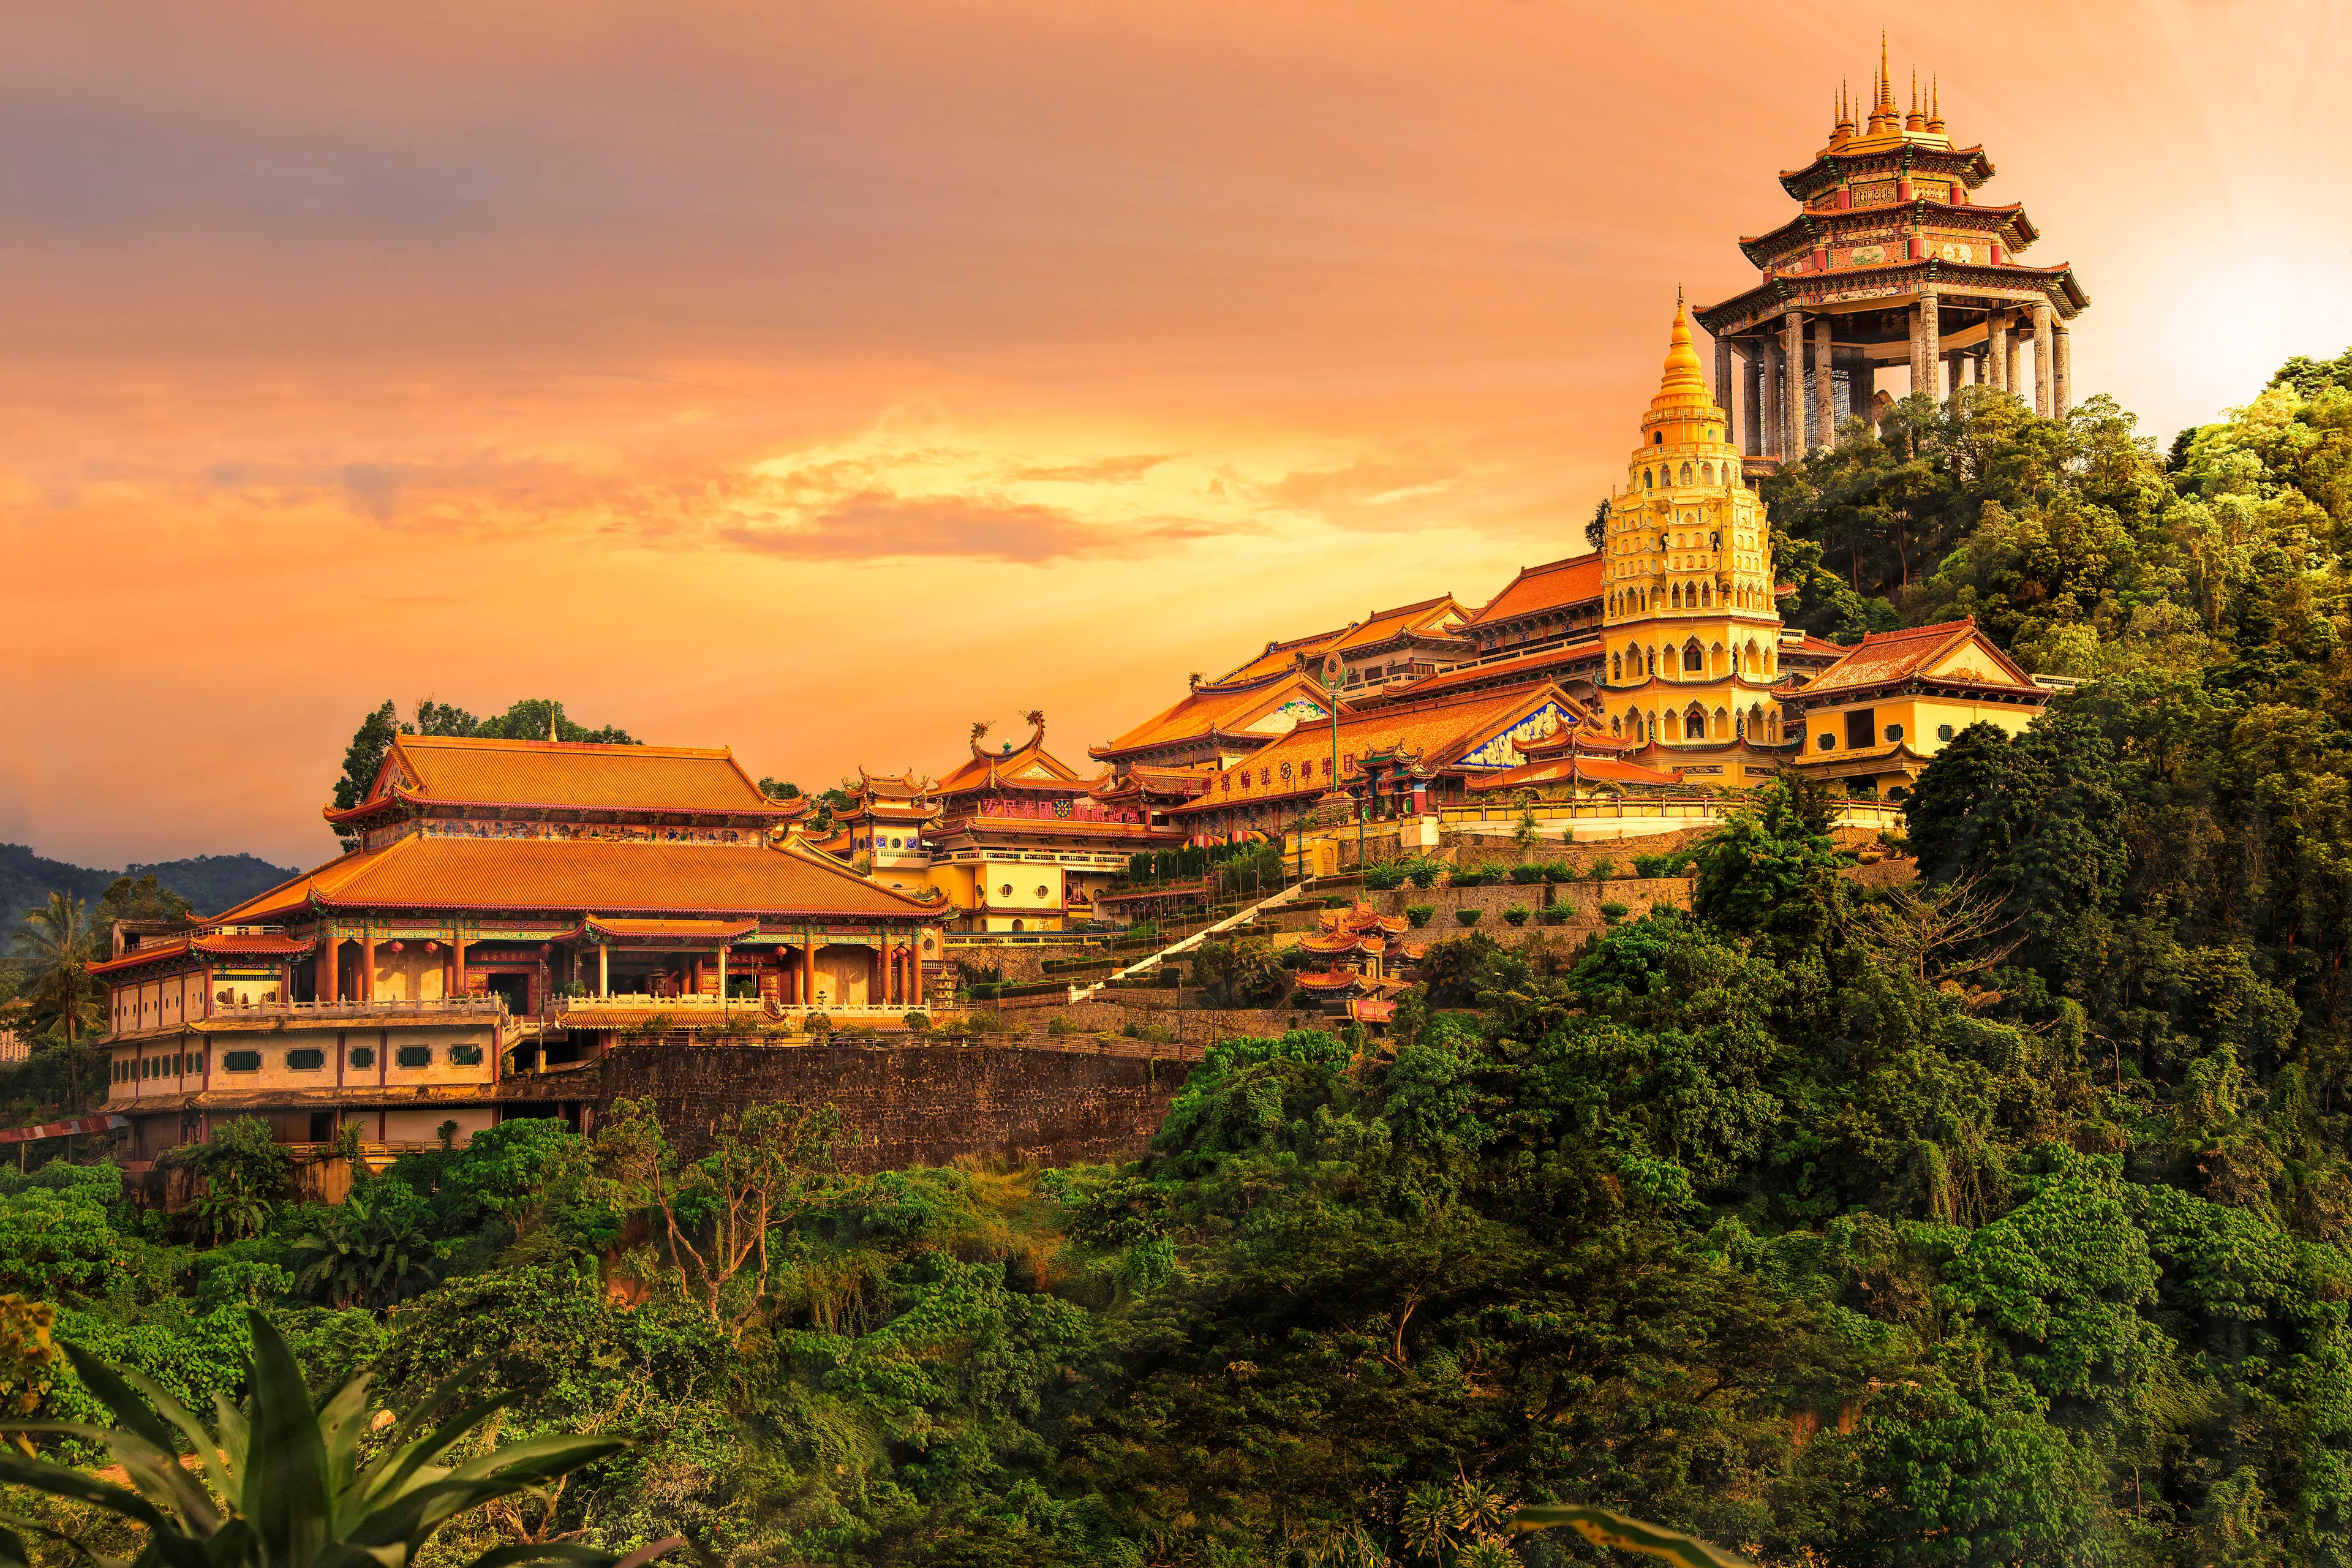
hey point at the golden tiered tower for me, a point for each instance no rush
(1690, 635)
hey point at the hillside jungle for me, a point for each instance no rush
(2000, 1216)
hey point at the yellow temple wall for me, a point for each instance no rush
(411, 976)
(1921, 717)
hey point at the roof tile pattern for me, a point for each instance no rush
(1554, 586)
(1883, 657)
(428, 873)
(564, 774)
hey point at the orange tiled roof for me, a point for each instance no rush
(208, 944)
(1882, 657)
(1208, 712)
(565, 774)
(1554, 586)
(1026, 766)
(1442, 731)
(1425, 616)
(1530, 666)
(1279, 657)
(421, 873)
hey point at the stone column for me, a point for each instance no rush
(1824, 389)
(1997, 349)
(1752, 406)
(2043, 361)
(1931, 343)
(1793, 385)
(1723, 381)
(1862, 384)
(2063, 379)
(1769, 392)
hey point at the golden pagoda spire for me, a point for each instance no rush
(1936, 105)
(1683, 379)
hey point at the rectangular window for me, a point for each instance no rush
(362, 1056)
(412, 1056)
(465, 1056)
(305, 1059)
(1860, 728)
(240, 1061)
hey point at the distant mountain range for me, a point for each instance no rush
(211, 882)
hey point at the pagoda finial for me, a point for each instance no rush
(1936, 105)
(1682, 374)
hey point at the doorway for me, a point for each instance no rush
(515, 988)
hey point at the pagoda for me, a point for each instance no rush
(1890, 260)
(1692, 670)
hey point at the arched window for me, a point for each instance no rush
(1687, 473)
(1722, 725)
(1714, 540)
(1707, 595)
(1616, 728)
(1616, 668)
(1716, 661)
(1657, 437)
(1693, 657)
(1707, 473)
(1756, 721)
(1678, 595)
(1645, 479)
(1673, 729)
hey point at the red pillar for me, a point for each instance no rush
(808, 971)
(327, 966)
(458, 964)
(915, 971)
(367, 965)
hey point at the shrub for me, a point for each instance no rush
(1061, 1023)
(1675, 863)
(1612, 911)
(1559, 871)
(1518, 914)
(917, 1021)
(1423, 872)
(1468, 917)
(1469, 877)
(1384, 875)
(987, 1024)
(1558, 915)
(1419, 914)
(1526, 873)
(1603, 868)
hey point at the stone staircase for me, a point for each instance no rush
(1185, 944)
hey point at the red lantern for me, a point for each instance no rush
(396, 947)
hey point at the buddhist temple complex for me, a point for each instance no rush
(505, 911)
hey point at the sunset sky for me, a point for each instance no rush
(815, 379)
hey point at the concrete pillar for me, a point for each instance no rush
(2014, 377)
(1773, 374)
(367, 965)
(1997, 349)
(328, 964)
(458, 964)
(1931, 343)
(1723, 381)
(1792, 385)
(2044, 362)
(603, 970)
(1824, 390)
(722, 973)
(1862, 386)
(808, 971)
(2063, 379)
(915, 970)
(1752, 394)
